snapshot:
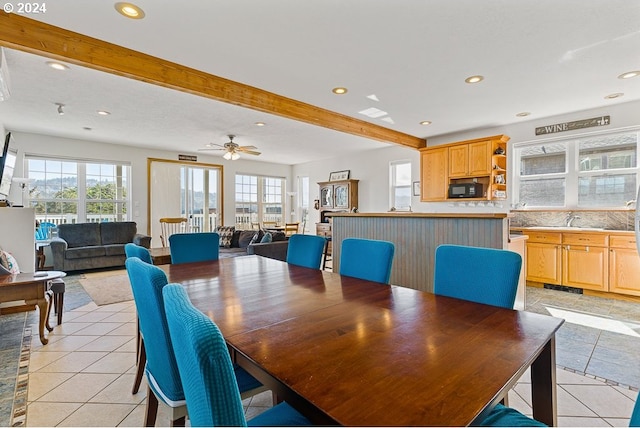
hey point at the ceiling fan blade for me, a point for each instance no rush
(249, 152)
(248, 148)
(210, 148)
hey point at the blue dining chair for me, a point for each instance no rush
(133, 250)
(194, 247)
(481, 275)
(42, 232)
(368, 259)
(635, 416)
(503, 416)
(161, 370)
(207, 372)
(306, 250)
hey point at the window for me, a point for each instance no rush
(259, 199)
(594, 171)
(400, 194)
(71, 191)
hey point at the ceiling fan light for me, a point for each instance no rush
(227, 155)
(235, 156)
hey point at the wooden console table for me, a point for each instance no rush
(32, 288)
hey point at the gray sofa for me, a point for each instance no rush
(83, 246)
(242, 242)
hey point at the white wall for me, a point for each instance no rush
(372, 167)
(35, 144)
(17, 235)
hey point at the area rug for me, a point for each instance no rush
(108, 287)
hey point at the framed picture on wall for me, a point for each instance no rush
(339, 175)
(416, 188)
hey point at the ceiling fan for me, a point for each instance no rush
(233, 150)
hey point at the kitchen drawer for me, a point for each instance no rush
(544, 237)
(593, 239)
(622, 241)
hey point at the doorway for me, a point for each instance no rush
(190, 190)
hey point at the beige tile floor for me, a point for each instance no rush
(83, 377)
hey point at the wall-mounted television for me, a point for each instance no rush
(7, 165)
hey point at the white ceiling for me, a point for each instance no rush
(546, 57)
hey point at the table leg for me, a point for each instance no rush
(543, 385)
(43, 307)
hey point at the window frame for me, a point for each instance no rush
(262, 203)
(572, 174)
(81, 201)
(393, 165)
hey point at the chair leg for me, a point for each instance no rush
(142, 360)
(50, 297)
(59, 302)
(151, 410)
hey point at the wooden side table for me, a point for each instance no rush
(32, 288)
(160, 255)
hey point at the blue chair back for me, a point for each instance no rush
(482, 275)
(194, 247)
(368, 259)
(305, 250)
(133, 250)
(42, 232)
(210, 387)
(147, 282)
(635, 416)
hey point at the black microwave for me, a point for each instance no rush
(465, 190)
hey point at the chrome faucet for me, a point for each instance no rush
(570, 219)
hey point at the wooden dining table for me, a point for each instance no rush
(351, 352)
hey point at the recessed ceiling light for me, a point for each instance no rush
(339, 90)
(629, 74)
(104, 113)
(57, 65)
(425, 122)
(612, 96)
(129, 10)
(260, 124)
(474, 79)
(523, 114)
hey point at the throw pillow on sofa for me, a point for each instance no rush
(266, 238)
(245, 237)
(226, 234)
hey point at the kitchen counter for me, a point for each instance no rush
(564, 229)
(420, 215)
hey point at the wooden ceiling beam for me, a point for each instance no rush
(28, 35)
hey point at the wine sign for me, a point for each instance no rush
(577, 124)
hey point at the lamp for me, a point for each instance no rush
(22, 182)
(231, 155)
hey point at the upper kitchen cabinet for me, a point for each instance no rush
(483, 161)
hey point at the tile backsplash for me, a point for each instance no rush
(614, 220)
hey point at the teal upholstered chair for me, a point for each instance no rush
(42, 232)
(306, 250)
(368, 259)
(206, 370)
(161, 370)
(482, 275)
(503, 416)
(635, 416)
(194, 247)
(133, 250)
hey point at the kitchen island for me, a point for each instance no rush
(416, 237)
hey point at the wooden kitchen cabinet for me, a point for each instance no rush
(544, 257)
(624, 265)
(434, 174)
(585, 261)
(483, 160)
